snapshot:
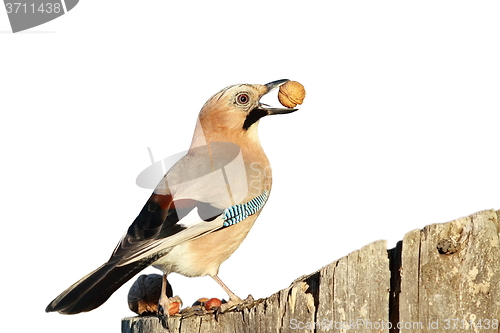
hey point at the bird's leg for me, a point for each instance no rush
(163, 304)
(233, 299)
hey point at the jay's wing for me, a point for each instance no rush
(188, 202)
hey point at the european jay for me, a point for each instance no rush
(201, 210)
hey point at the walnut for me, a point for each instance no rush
(144, 294)
(291, 94)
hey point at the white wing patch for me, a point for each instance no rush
(191, 219)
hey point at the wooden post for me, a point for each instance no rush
(445, 277)
(450, 275)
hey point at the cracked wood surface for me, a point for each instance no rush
(450, 275)
(441, 278)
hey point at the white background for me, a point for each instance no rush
(400, 129)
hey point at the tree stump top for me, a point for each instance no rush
(445, 277)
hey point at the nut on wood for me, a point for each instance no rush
(291, 94)
(174, 308)
(144, 294)
(212, 304)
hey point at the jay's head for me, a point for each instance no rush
(236, 110)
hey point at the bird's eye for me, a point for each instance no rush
(242, 99)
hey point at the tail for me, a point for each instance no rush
(95, 288)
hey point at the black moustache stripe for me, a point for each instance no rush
(253, 116)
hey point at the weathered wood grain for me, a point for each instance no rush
(444, 277)
(450, 276)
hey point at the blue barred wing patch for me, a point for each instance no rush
(238, 213)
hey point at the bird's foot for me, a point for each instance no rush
(197, 309)
(236, 304)
(204, 306)
(168, 306)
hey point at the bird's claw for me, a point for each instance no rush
(198, 309)
(236, 305)
(164, 309)
(163, 316)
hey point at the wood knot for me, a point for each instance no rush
(448, 246)
(454, 239)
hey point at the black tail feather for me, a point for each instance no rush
(95, 288)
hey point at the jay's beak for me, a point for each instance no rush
(270, 111)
